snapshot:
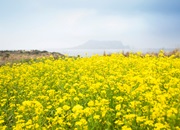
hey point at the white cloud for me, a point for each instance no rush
(67, 28)
(70, 27)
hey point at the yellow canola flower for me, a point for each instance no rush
(81, 122)
(77, 108)
(126, 128)
(118, 107)
(3, 127)
(91, 103)
(76, 99)
(119, 122)
(172, 112)
(31, 105)
(1, 121)
(59, 111)
(66, 107)
(117, 91)
(88, 111)
(29, 122)
(96, 117)
(159, 126)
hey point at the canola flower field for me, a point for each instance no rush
(92, 93)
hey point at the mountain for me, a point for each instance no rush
(93, 44)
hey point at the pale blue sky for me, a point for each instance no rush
(45, 24)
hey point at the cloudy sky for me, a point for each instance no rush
(44, 24)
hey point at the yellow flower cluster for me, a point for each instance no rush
(99, 92)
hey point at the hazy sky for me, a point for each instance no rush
(43, 24)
